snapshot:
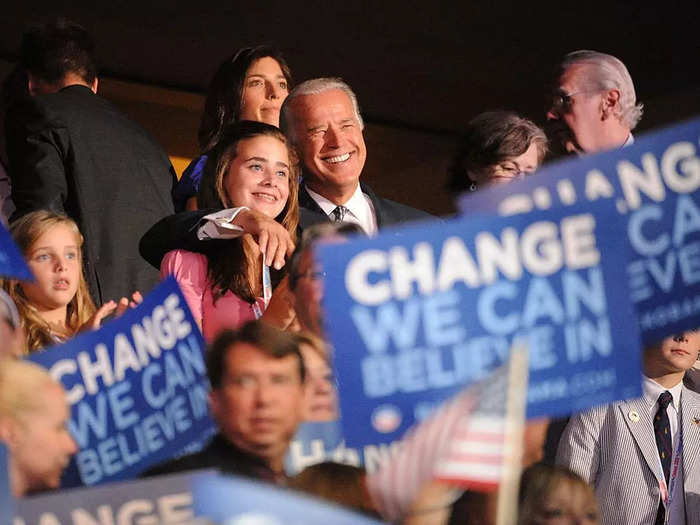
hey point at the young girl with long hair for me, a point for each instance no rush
(254, 170)
(57, 304)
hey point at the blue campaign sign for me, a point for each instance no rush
(163, 499)
(316, 442)
(11, 261)
(417, 313)
(654, 185)
(239, 501)
(5, 494)
(137, 389)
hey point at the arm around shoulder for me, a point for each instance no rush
(174, 232)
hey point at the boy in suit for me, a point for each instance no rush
(642, 455)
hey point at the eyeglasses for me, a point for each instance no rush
(504, 179)
(507, 172)
(561, 101)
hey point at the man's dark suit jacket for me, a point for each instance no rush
(386, 211)
(180, 231)
(223, 455)
(74, 152)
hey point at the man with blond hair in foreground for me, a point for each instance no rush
(33, 418)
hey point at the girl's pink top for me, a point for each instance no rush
(190, 271)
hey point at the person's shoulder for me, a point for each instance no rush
(33, 113)
(391, 212)
(181, 259)
(691, 398)
(68, 99)
(404, 210)
(690, 412)
(195, 168)
(597, 415)
(71, 107)
(196, 461)
(77, 104)
(692, 378)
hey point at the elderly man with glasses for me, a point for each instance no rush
(593, 106)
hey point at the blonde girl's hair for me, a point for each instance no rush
(538, 482)
(25, 232)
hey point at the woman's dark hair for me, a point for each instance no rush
(489, 139)
(223, 103)
(235, 265)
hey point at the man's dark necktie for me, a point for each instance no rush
(664, 443)
(339, 213)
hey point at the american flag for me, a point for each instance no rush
(461, 443)
(475, 455)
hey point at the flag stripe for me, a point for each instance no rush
(477, 470)
(480, 436)
(495, 459)
(465, 447)
(481, 486)
(462, 443)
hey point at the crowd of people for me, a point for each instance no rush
(98, 210)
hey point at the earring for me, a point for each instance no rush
(472, 186)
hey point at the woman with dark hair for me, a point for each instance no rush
(497, 147)
(254, 169)
(250, 85)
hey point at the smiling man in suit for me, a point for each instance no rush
(642, 455)
(322, 119)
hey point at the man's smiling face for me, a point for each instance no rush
(329, 138)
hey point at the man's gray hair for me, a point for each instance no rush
(315, 86)
(608, 72)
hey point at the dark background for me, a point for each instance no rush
(421, 70)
